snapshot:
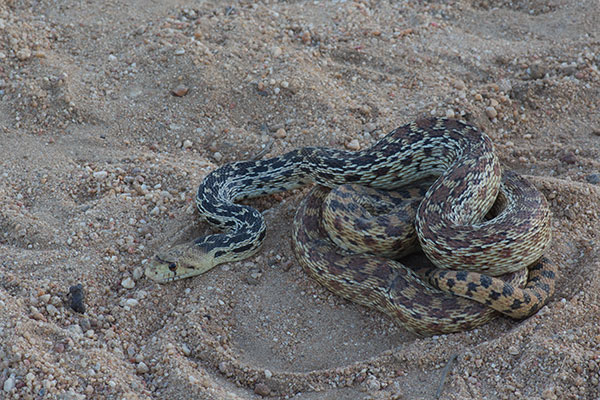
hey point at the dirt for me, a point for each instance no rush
(112, 112)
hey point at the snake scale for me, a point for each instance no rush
(459, 291)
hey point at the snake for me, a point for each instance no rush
(470, 255)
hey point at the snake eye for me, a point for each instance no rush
(172, 266)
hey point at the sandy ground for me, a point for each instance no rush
(99, 162)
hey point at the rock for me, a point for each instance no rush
(261, 389)
(77, 298)
(187, 144)
(142, 368)
(52, 310)
(85, 324)
(138, 273)
(24, 54)
(100, 175)
(128, 283)
(180, 91)
(459, 84)
(373, 385)
(536, 71)
(305, 37)
(491, 112)
(131, 302)
(276, 51)
(281, 133)
(594, 179)
(353, 145)
(9, 383)
(569, 158)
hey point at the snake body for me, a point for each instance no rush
(450, 223)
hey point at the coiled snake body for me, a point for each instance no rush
(450, 225)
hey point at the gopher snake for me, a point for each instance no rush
(449, 225)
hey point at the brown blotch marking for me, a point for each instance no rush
(425, 123)
(453, 124)
(362, 224)
(369, 241)
(382, 171)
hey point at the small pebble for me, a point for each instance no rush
(128, 283)
(217, 156)
(276, 51)
(138, 273)
(536, 71)
(373, 384)
(77, 298)
(132, 302)
(155, 211)
(594, 179)
(449, 113)
(569, 158)
(305, 37)
(459, 84)
(353, 145)
(180, 91)
(370, 127)
(268, 374)
(185, 349)
(24, 54)
(85, 324)
(223, 367)
(281, 133)
(9, 383)
(491, 112)
(548, 393)
(52, 310)
(142, 368)
(100, 175)
(187, 144)
(513, 350)
(179, 52)
(261, 389)
(253, 277)
(45, 298)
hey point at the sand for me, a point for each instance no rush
(112, 112)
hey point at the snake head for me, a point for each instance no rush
(179, 262)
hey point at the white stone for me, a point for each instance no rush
(9, 384)
(142, 368)
(128, 283)
(353, 145)
(100, 175)
(132, 302)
